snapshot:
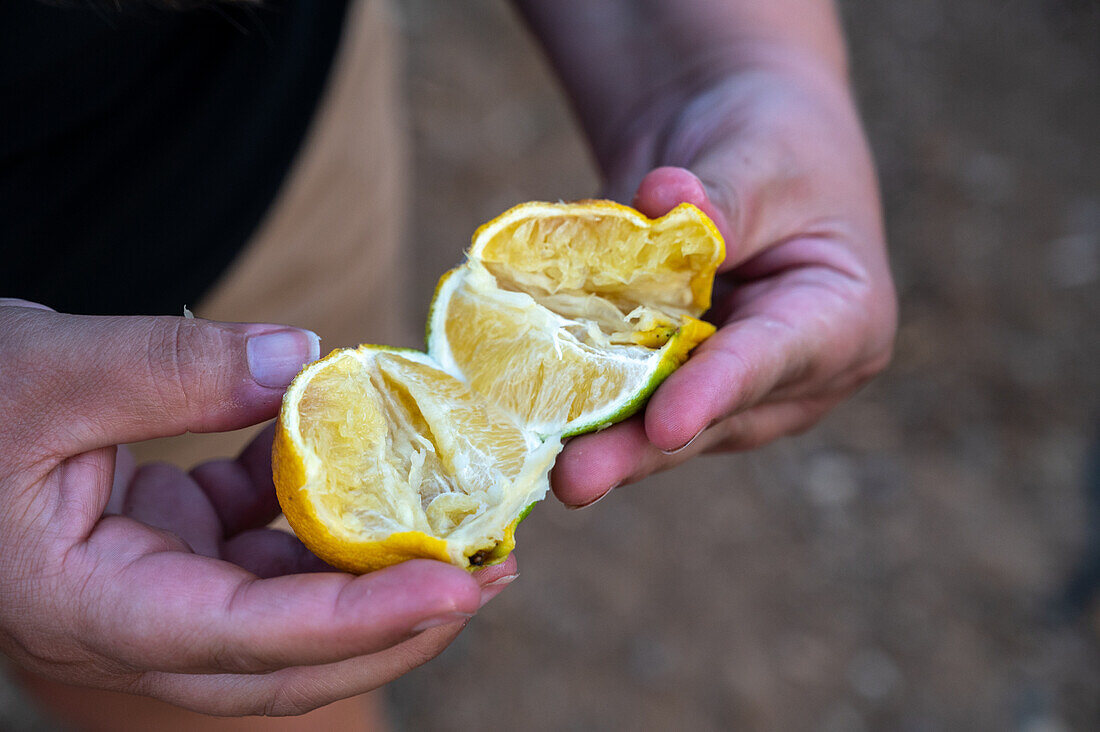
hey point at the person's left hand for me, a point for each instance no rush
(158, 582)
(804, 301)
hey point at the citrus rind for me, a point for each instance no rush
(300, 481)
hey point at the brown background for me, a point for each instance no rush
(898, 568)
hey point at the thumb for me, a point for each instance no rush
(664, 188)
(75, 383)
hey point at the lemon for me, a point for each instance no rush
(570, 315)
(564, 319)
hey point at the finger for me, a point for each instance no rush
(300, 689)
(173, 611)
(125, 467)
(164, 497)
(491, 575)
(272, 553)
(593, 465)
(662, 189)
(68, 510)
(738, 366)
(495, 578)
(15, 302)
(765, 423)
(789, 336)
(241, 490)
(297, 690)
(96, 381)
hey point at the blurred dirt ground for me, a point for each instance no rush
(902, 566)
(898, 568)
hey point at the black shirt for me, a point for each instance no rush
(140, 149)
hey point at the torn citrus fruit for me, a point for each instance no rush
(563, 320)
(570, 315)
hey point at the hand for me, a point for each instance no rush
(804, 301)
(162, 583)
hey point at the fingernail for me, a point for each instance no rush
(595, 500)
(501, 581)
(445, 619)
(274, 358)
(687, 444)
(489, 590)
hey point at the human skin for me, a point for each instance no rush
(744, 109)
(163, 583)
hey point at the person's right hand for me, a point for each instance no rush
(168, 585)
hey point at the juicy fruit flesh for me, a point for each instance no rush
(566, 319)
(621, 258)
(569, 367)
(405, 447)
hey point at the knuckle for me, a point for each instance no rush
(117, 535)
(415, 654)
(739, 378)
(290, 698)
(162, 540)
(29, 384)
(231, 660)
(171, 355)
(183, 356)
